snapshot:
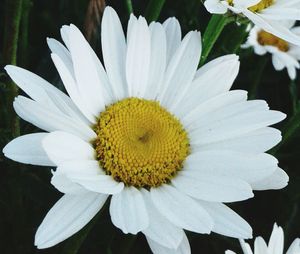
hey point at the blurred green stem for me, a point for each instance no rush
(23, 45)
(129, 6)
(213, 31)
(11, 36)
(294, 95)
(259, 69)
(153, 10)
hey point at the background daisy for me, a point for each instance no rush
(284, 54)
(275, 245)
(266, 14)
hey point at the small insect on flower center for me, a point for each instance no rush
(264, 38)
(140, 143)
(263, 4)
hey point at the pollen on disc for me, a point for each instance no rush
(140, 143)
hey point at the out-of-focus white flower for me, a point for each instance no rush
(275, 245)
(284, 54)
(267, 14)
(169, 143)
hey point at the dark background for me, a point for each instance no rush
(25, 191)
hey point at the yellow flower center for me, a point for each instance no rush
(140, 143)
(265, 38)
(263, 4)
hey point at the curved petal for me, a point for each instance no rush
(215, 188)
(42, 117)
(184, 247)
(181, 210)
(173, 34)
(160, 229)
(249, 167)
(91, 83)
(157, 60)
(226, 221)
(70, 214)
(220, 72)
(100, 183)
(28, 149)
(278, 180)
(181, 70)
(65, 185)
(128, 211)
(138, 58)
(114, 52)
(62, 147)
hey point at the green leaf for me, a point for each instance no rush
(153, 10)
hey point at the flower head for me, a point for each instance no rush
(267, 14)
(284, 54)
(168, 142)
(275, 245)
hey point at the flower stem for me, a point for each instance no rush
(153, 10)
(257, 77)
(11, 37)
(129, 6)
(212, 33)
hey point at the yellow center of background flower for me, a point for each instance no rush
(263, 4)
(264, 38)
(140, 143)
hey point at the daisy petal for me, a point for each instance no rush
(91, 83)
(138, 58)
(157, 60)
(226, 221)
(184, 247)
(114, 51)
(57, 48)
(70, 214)
(160, 230)
(71, 87)
(65, 185)
(128, 211)
(260, 245)
(181, 70)
(221, 72)
(28, 149)
(258, 141)
(173, 34)
(216, 188)
(276, 240)
(100, 183)
(62, 146)
(249, 167)
(43, 92)
(181, 210)
(42, 117)
(278, 180)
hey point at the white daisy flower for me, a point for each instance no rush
(267, 14)
(284, 54)
(169, 143)
(275, 245)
